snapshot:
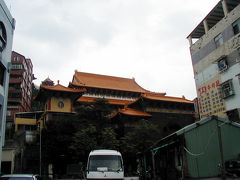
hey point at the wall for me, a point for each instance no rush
(65, 108)
(8, 156)
(5, 57)
(208, 78)
(24, 121)
(215, 30)
(233, 102)
(203, 143)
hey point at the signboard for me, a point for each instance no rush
(210, 100)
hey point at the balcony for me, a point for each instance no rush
(15, 80)
(17, 72)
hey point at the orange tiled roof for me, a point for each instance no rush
(131, 112)
(162, 97)
(110, 101)
(106, 82)
(62, 88)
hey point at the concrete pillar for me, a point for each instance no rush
(190, 40)
(225, 8)
(205, 24)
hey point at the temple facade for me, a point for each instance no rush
(131, 102)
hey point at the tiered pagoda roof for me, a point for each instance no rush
(83, 79)
(91, 83)
(162, 97)
(48, 82)
(48, 91)
(130, 112)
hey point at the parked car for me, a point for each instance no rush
(20, 177)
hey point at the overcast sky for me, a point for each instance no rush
(141, 39)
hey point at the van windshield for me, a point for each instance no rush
(111, 162)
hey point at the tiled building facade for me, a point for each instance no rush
(20, 87)
(216, 61)
(7, 26)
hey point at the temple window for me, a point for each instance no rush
(60, 104)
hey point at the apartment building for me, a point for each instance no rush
(215, 53)
(7, 26)
(20, 87)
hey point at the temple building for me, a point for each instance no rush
(118, 91)
(58, 101)
(129, 101)
(134, 102)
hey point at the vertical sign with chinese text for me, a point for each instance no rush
(209, 99)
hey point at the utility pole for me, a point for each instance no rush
(221, 151)
(40, 149)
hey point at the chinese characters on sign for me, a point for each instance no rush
(210, 100)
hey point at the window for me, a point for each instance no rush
(21, 127)
(234, 115)
(60, 104)
(2, 71)
(8, 113)
(3, 36)
(227, 89)
(17, 66)
(236, 26)
(222, 64)
(16, 58)
(110, 162)
(218, 40)
(9, 125)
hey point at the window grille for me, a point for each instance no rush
(227, 89)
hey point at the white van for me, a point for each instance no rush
(105, 164)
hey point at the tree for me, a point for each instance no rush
(109, 140)
(140, 139)
(56, 140)
(95, 131)
(35, 105)
(84, 140)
